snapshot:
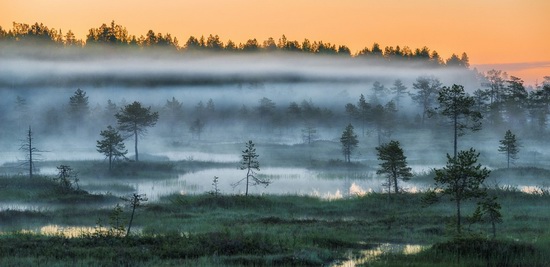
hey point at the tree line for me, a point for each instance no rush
(501, 102)
(501, 105)
(462, 178)
(115, 35)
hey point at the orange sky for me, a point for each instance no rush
(491, 31)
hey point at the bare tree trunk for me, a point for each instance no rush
(424, 114)
(110, 160)
(136, 142)
(458, 226)
(395, 187)
(247, 176)
(455, 134)
(494, 229)
(131, 220)
(30, 153)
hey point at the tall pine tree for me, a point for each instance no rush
(461, 179)
(510, 147)
(251, 164)
(349, 142)
(458, 107)
(112, 145)
(135, 119)
(393, 165)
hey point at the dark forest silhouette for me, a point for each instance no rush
(116, 35)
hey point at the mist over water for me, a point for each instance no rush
(210, 70)
(35, 90)
(46, 83)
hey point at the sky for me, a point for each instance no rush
(510, 35)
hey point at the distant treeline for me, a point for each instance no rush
(117, 35)
(384, 109)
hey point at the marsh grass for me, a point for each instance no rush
(228, 247)
(43, 189)
(110, 187)
(471, 251)
(516, 172)
(265, 230)
(97, 169)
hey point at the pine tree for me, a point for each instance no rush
(427, 89)
(309, 133)
(399, 91)
(197, 127)
(134, 201)
(349, 142)
(112, 145)
(135, 119)
(458, 107)
(510, 147)
(394, 164)
(461, 179)
(488, 210)
(67, 179)
(251, 164)
(362, 112)
(173, 114)
(117, 228)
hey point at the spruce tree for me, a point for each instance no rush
(78, 107)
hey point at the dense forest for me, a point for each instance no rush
(114, 35)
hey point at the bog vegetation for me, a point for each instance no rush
(458, 169)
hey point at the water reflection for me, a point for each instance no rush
(18, 206)
(369, 255)
(285, 181)
(326, 184)
(198, 156)
(50, 171)
(10, 157)
(69, 231)
(535, 190)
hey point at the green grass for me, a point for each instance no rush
(42, 189)
(472, 251)
(232, 248)
(287, 230)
